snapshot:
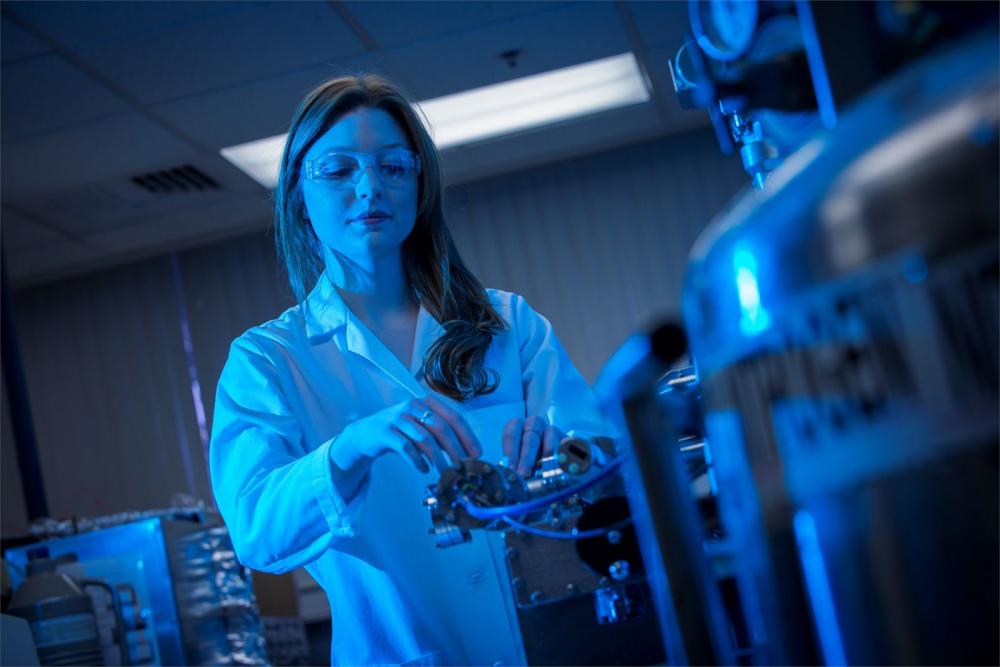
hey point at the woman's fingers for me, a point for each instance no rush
(531, 442)
(457, 426)
(413, 454)
(439, 433)
(551, 440)
(512, 440)
(409, 433)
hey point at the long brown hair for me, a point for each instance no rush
(435, 271)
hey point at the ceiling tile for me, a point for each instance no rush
(44, 93)
(567, 35)
(16, 43)
(100, 205)
(21, 233)
(398, 23)
(105, 149)
(661, 24)
(223, 218)
(77, 24)
(222, 50)
(257, 109)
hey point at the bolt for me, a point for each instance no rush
(450, 517)
(562, 458)
(619, 570)
(555, 522)
(614, 537)
(571, 589)
(537, 596)
(574, 468)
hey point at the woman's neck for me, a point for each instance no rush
(373, 285)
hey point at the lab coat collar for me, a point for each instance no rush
(324, 309)
(325, 312)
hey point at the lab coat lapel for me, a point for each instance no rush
(325, 311)
(361, 341)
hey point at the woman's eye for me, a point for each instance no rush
(393, 169)
(336, 171)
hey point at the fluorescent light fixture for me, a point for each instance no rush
(536, 100)
(492, 111)
(258, 159)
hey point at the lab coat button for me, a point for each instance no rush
(476, 577)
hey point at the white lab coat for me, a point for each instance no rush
(289, 388)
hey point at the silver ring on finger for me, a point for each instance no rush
(423, 418)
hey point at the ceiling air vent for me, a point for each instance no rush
(178, 179)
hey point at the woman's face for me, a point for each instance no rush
(375, 215)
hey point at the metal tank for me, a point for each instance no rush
(843, 321)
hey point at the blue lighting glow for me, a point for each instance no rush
(755, 318)
(818, 586)
(915, 270)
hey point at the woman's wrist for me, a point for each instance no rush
(345, 452)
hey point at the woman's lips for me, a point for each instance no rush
(374, 220)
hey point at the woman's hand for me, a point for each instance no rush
(418, 429)
(526, 441)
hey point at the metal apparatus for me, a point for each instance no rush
(843, 326)
(773, 73)
(61, 615)
(571, 552)
(813, 479)
(175, 592)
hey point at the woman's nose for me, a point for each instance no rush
(369, 185)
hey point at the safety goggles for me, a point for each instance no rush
(395, 167)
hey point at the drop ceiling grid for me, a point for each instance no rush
(564, 36)
(395, 24)
(224, 50)
(221, 73)
(107, 149)
(81, 24)
(260, 108)
(661, 23)
(21, 233)
(65, 97)
(18, 44)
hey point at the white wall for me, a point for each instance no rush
(597, 244)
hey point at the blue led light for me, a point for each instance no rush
(755, 318)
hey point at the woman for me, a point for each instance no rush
(329, 419)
